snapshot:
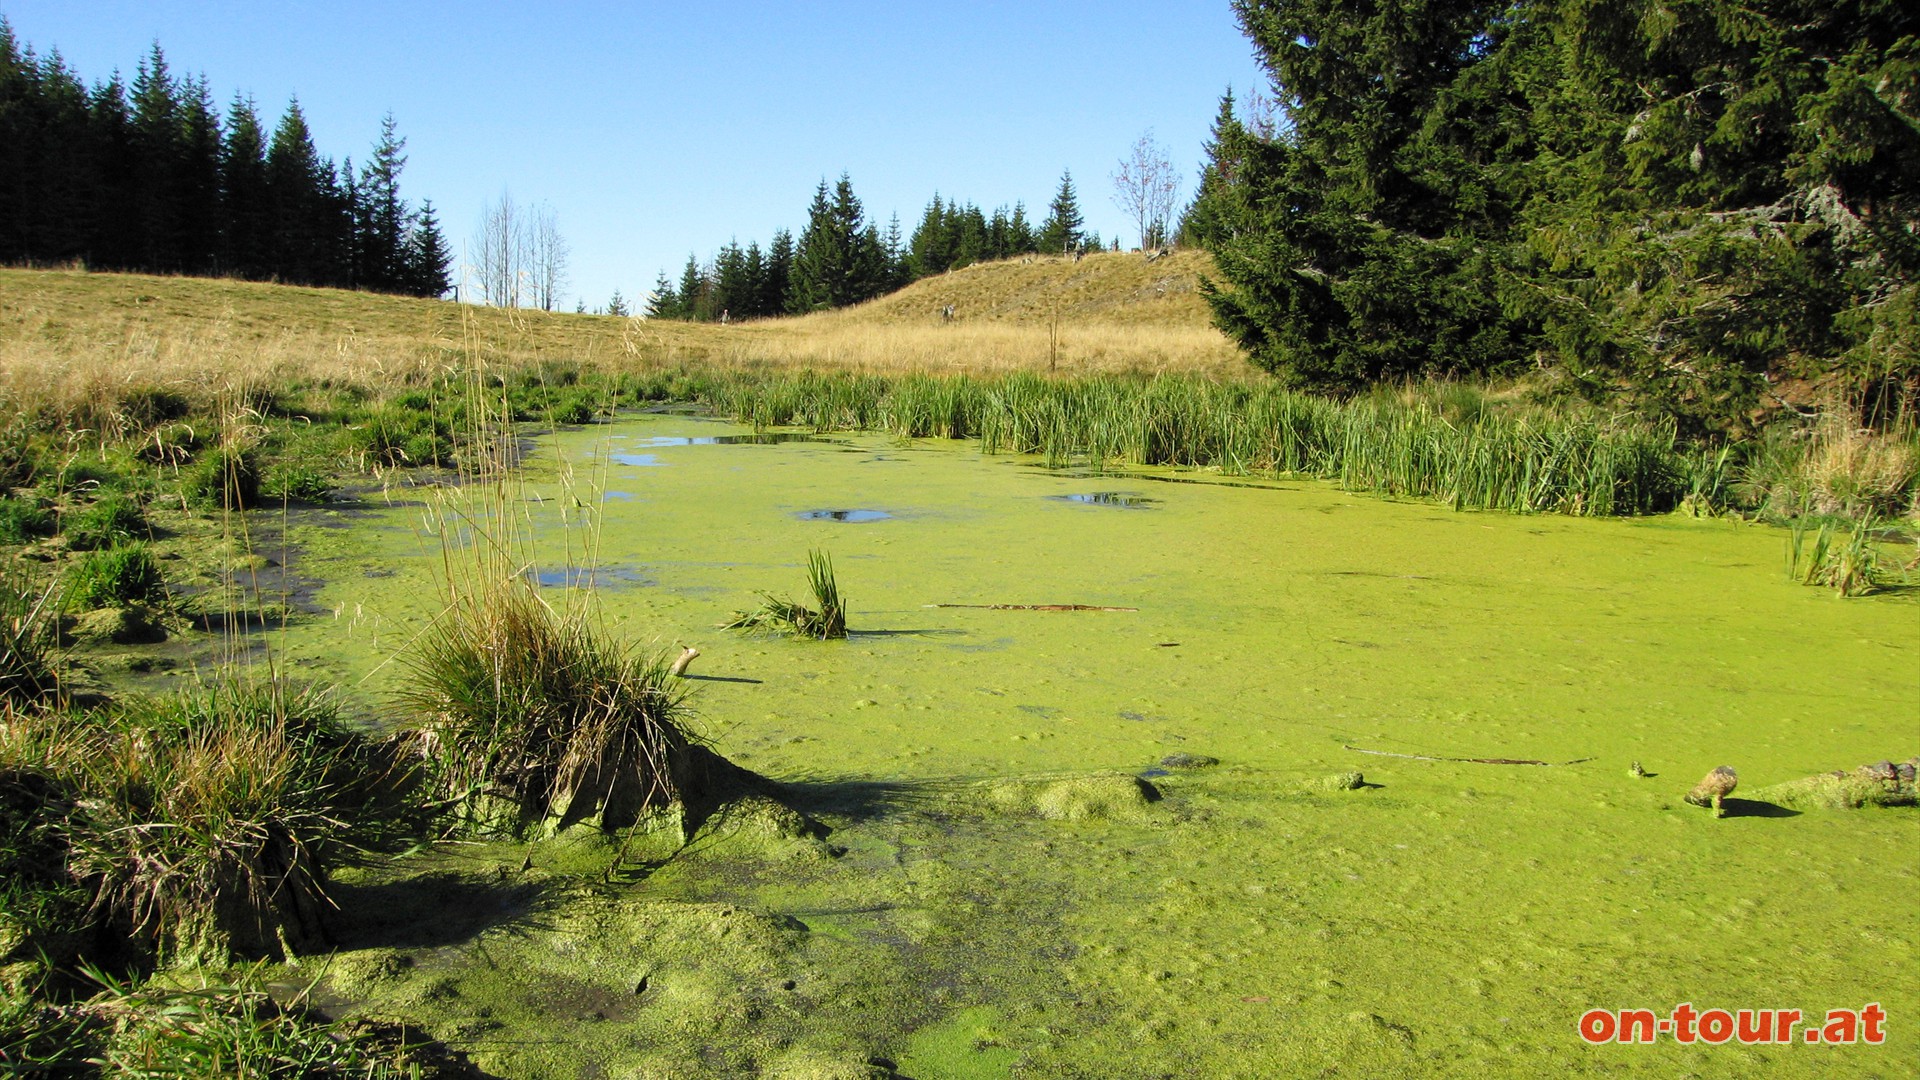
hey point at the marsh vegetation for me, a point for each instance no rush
(498, 745)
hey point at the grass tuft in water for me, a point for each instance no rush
(531, 707)
(780, 615)
(1842, 558)
(127, 574)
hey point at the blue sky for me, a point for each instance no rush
(659, 130)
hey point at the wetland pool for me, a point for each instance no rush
(1003, 898)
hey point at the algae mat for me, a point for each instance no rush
(1001, 896)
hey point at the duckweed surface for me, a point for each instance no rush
(1002, 893)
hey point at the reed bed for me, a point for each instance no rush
(1492, 460)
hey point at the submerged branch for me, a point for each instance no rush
(1466, 760)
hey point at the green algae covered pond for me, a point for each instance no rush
(1033, 868)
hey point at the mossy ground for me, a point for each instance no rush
(1000, 896)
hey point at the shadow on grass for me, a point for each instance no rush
(1754, 808)
(860, 799)
(429, 910)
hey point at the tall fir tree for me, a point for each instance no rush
(665, 303)
(382, 213)
(779, 275)
(245, 203)
(154, 131)
(298, 197)
(429, 261)
(199, 216)
(838, 261)
(1061, 232)
(115, 218)
(1220, 211)
(693, 291)
(930, 250)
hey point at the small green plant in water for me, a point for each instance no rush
(791, 617)
(1845, 561)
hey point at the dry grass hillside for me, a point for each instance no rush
(1118, 288)
(64, 331)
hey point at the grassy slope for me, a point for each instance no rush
(67, 328)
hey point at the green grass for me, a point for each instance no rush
(1477, 459)
(112, 519)
(28, 639)
(126, 574)
(24, 519)
(226, 479)
(825, 622)
(537, 720)
(1839, 556)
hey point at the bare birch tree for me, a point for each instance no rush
(547, 261)
(500, 252)
(1147, 187)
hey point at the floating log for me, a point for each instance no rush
(1036, 607)
(1468, 760)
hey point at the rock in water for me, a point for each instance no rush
(1717, 785)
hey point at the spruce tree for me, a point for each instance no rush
(732, 285)
(197, 210)
(298, 195)
(154, 132)
(1061, 232)
(383, 213)
(665, 304)
(778, 280)
(1373, 256)
(1020, 235)
(246, 210)
(930, 250)
(693, 292)
(428, 259)
(115, 219)
(1219, 211)
(895, 272)
(752, 306)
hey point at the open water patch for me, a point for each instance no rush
(587, 577)
(1118, 499)
(851, 517)
(641, 460)
(764, 438)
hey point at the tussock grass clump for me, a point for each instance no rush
(112, 519)
(530, 709)
(783, 615)
(236, 1028)
(226, 479)
(1855, 472)
(229, 1027)
(199, 824)
(128, 574)
(24, 520)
